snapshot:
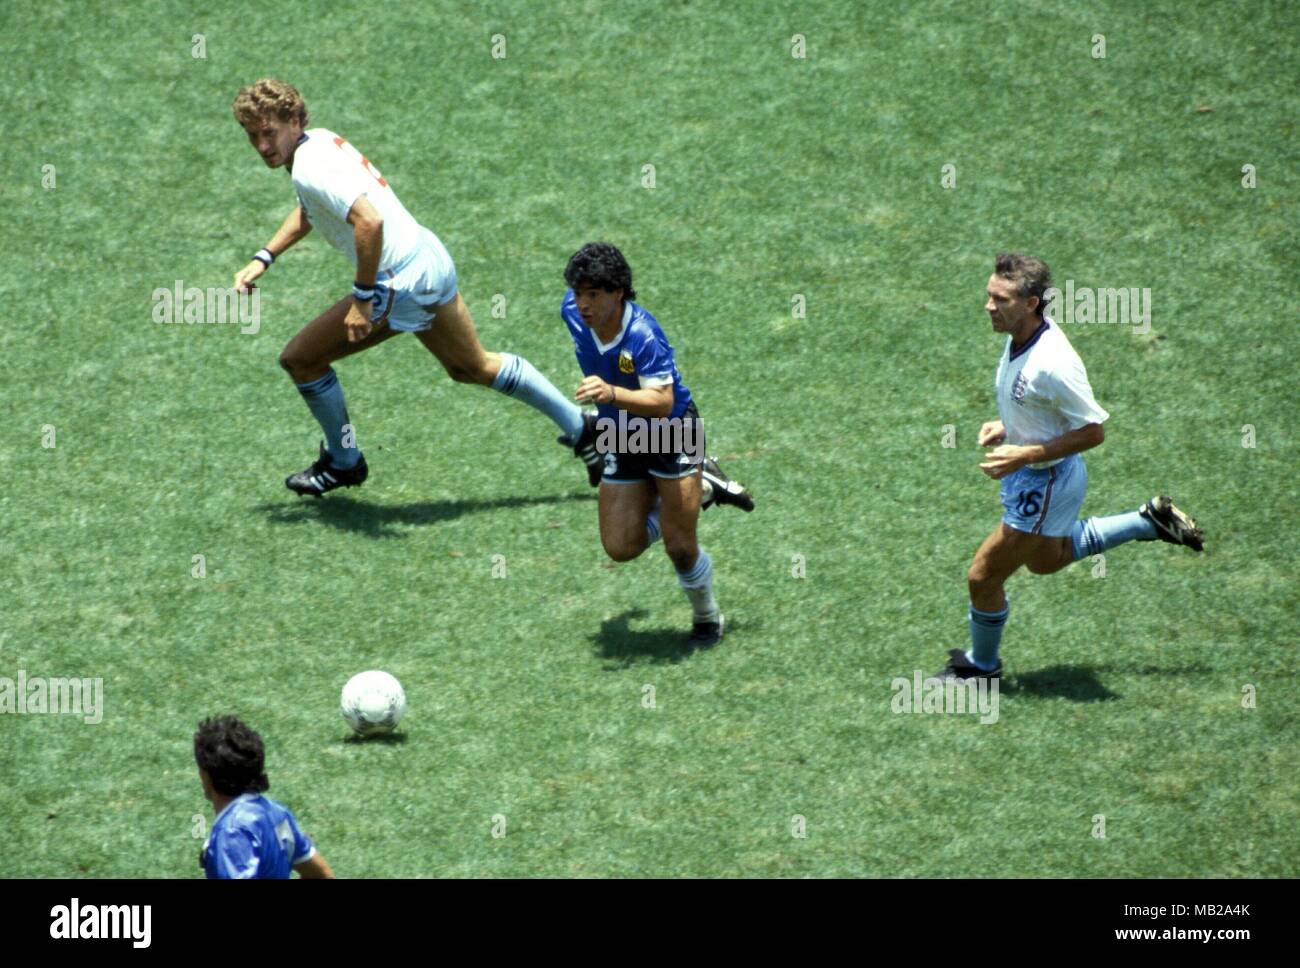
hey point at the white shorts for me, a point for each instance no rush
(1045, 501)
(417, 286)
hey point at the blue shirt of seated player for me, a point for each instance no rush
(639, 356)
(255, 837)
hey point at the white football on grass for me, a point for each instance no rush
(373, 702)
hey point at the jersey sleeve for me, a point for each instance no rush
(653, 360)
(333, 181)
(234, 855)
(298, 845)
(1072, 394)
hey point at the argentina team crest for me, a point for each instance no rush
(1019, 387)
(625, 364)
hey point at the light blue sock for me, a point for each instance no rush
(986, 636)
(517, 378)
(652, 530)
(697, 583)
(1095, 535)
(324, 398)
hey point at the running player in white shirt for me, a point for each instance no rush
(405, 283)
(1048, 418)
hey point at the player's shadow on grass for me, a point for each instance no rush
(623, 646)
(381, 521)
(1080, 683)
(1076, 683)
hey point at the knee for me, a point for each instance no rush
(289, 361)
(621, 550)
(980, 581)
(298, 366)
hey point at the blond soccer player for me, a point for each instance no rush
(404, 281)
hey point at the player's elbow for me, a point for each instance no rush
(664, 405)
(1097, 434)
(314, 868)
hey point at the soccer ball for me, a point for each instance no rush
(373, 702)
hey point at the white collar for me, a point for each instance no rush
(618, 337)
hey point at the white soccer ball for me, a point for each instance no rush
(373, 702)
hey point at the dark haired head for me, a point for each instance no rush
(598, 265)
(1031, 276)
(232, 755)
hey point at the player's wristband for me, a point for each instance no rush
(264, 256)
(363, 293)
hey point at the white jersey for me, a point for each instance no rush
(329, 175)
(1043, 390)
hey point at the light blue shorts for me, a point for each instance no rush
(425, 280)
(1046, 501)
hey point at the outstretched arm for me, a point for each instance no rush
(293, 228)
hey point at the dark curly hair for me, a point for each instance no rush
(232, 755)
(599, 265)
(1031, 276)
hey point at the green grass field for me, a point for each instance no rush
(775, 177)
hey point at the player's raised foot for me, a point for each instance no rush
(584, 448)
(705, 634)
(724, 489)
(323, 476)
(961, 668)
(1172, 525)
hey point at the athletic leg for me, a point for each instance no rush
(454, 341)
(680, 513)
(998, 558)
(1159, 518)
(308, 355)
(623, 512)
(307, 358)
